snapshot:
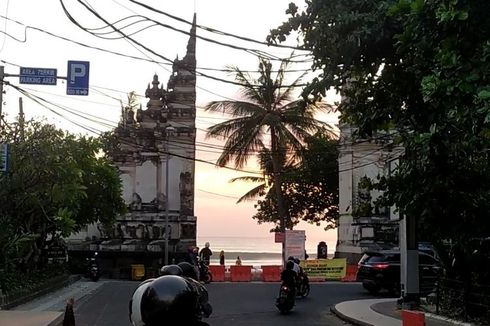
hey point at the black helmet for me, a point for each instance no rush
(171, 270)
(167, 300)
(188, 270)
(135, 303)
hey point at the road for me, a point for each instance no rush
(233, 304)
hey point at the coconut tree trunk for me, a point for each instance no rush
(281, 208)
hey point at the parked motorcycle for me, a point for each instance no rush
(93, 271)
(204, 273)
(286, 299)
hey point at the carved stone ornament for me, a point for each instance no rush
(186, 188)
(136, 202)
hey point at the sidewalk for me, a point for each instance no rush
(381, 312)
(48, 310)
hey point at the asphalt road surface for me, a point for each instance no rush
(233, 304)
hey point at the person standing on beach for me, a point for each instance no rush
(206, 253)
(222, 258)
(238, 261)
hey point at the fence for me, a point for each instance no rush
(465, 301)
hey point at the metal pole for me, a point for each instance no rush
(1, 94)
(166, 201)
(168, 132)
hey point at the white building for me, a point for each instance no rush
(360, 226)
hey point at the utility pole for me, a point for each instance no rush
(1, 94)
(409, 255)
(169, 130)
(21, 119)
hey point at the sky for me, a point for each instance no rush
(39, 34)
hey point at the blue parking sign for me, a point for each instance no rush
(77, 78)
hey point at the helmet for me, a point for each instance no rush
(188, 270)
(171, 270)
(135, 303)
(169, 299)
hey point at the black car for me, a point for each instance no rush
(379, 270)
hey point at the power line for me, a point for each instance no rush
(96, 14)
(213, 30)
(27, 27)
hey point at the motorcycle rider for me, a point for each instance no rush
(205, 254)
(303, 280)
(288, 277)
(296, 267)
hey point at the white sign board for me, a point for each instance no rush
(295, 244)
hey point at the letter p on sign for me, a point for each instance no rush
(77, 78)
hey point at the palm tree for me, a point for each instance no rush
(267, 115)
(265, 181)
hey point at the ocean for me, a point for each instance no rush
(255, 251)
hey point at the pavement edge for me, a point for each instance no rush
(349, 319)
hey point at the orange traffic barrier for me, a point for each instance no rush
(271, 273)
(242, 273)
(218, 272)
(413, 318)
(350, 273)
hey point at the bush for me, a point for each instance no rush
(13, 280)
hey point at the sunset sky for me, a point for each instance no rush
(48, 42)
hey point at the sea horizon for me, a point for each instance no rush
(253, 250)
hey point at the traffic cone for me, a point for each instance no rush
(69, 318)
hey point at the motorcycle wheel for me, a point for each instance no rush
(283, 306)
(207, 278)
(305, 290)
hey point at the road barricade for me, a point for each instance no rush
(218, 272)
(271, 273)
(241, 273)
(413, 318)
(350, 273)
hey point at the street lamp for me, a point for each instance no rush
(169, 130)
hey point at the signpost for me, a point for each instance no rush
(295, 244)
(37, 76)
(77, 78)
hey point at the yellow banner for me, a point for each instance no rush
(325, 269)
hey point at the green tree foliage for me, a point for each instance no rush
(268, 117)
(57, 184)
(310, 188)
(420, 68)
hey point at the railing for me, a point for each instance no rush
(465, 301)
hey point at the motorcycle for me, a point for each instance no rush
(303, 286)
(204, 273)
(93, 269)
(285, 300)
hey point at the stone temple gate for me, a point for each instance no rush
(152, 143)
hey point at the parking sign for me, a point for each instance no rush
(77, 78)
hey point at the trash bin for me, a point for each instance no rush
(321, 250)
(137, 272)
